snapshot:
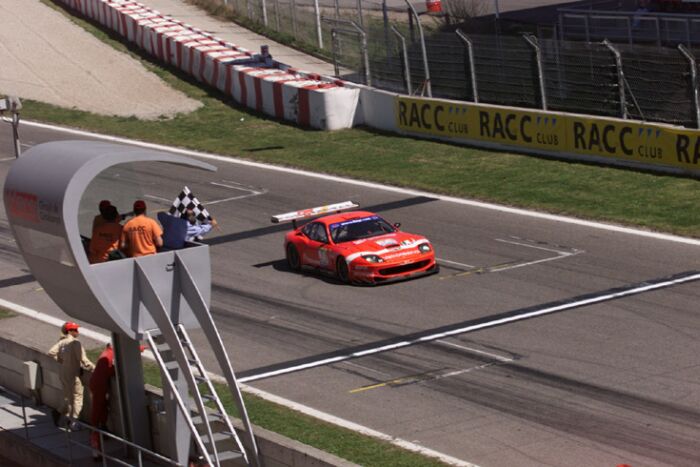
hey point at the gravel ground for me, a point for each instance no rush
(46, 57)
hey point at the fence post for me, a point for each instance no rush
(319, 32)
(406, 68)
(294, 18)
(428, 86)
(359, 13)
(363, 44)
(334, 47)
(277, 14)
(620, 77)
(540, 70)
(264, 12)
(694, 80)
(472, 67)
(385, 19)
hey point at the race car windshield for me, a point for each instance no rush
(355, 229)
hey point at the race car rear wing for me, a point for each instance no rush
(313, 212)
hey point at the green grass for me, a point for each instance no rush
(330, 438)
(5, 313)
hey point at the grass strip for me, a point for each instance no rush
(344, 443)
(5, 313)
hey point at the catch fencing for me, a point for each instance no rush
(404, 52)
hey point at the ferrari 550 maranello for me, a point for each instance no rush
(356, 246)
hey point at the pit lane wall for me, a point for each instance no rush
(274, 449)
(254, 80)
(611, 141)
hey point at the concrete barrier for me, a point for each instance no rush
(306, 99)
(275, 450)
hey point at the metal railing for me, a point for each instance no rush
(70, 441)
(550, 71)
(140, 451)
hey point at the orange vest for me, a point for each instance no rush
(105, 238)
(139, 236)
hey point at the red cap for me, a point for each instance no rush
(70, 326)
(104, 203)
(139, 204)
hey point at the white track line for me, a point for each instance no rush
(468, 266)
(473, 350)
(326, 417)
(466, 202)
(538, 247)
(472, 328)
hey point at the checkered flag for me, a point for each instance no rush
(186, 200)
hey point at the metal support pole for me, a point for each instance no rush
(694, 80)
(385, 19)
(620, 77)
(404, 52)
(363, 44)
(24, 417)
(319, 32)
(540, 69)
(359, 13)
(277, 14)
(13, 105)
(15, 133)
(428, 87)
(127, 362)
(630, 39)
(365, 56)
(472, 67)
(294, 17)
(264, 11)
(334, 46)
(337, 9)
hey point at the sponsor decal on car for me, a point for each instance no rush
(403, 253)
(385, 242)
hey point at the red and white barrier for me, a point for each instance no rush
(253, 80)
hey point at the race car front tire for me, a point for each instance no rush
(293, 259)
(341, 269)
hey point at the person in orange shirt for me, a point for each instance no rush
(100, 218)
(142, 235)
(106, 236)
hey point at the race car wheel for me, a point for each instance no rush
(293, 259)
(341, 269)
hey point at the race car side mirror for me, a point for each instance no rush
(397, 225)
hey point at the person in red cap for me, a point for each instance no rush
(99, 392)
(69, 352)
(142, 235)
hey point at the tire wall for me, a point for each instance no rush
(253, 80)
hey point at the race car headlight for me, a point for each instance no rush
(424, 247)
(372, 259)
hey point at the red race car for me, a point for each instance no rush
(357, 246)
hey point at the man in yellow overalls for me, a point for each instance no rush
(69, 352)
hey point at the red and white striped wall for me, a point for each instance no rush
(252, 80)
